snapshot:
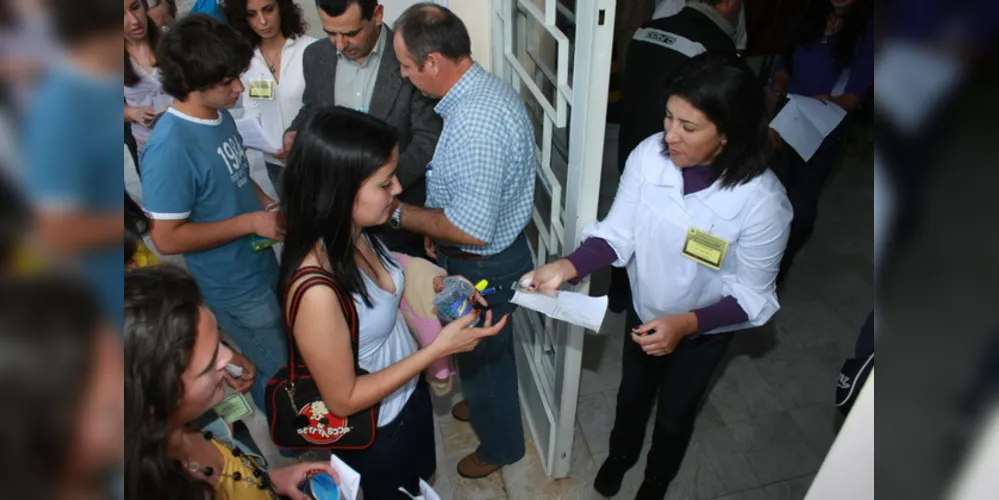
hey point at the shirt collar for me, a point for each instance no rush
(458, 91)
(375, 52)
(288, 43)
(713, 15)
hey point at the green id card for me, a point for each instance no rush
(233, 408)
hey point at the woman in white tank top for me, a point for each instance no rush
(339, 183)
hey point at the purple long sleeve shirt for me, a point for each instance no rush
(596, 253)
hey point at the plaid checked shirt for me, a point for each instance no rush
(482, 173)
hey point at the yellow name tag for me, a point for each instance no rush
(261, 89)
(705, 248)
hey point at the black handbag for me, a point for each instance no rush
(298, 417)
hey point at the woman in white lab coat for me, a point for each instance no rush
(274, 82)
(701, 224)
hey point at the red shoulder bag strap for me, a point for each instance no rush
(317, 276)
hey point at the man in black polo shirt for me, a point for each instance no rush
(657, 52)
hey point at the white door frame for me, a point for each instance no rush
(549, 353)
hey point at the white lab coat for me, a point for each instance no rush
(277, 114)
(647, 227)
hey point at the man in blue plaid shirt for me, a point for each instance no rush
(480, 195)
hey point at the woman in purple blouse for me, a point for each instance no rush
(831, 58)
(700, 223)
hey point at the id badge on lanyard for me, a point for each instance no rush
(262, 89)
(705, 248)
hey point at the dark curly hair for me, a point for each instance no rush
(199, 52)
(292, 23)
(162, 304)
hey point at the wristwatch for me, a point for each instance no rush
(396, 221)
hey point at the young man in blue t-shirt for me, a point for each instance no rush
(197, 189)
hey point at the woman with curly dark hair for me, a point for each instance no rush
(275, 81)
(175, 367)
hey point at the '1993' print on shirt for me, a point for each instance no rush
(235, 161)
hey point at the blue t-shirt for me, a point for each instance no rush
(71, 159)
(197, 170)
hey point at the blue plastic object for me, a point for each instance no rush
(454, 301)
(320, 486)
(210, 7)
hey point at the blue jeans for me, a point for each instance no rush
(257, 328)
(489, 373)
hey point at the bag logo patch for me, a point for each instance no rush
(318, 426)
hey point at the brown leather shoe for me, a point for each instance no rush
(471, 467)
(461, 411)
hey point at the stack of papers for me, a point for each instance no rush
(254, 136)
(571, 307)
(805, 122)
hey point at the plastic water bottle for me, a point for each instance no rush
(455, 300)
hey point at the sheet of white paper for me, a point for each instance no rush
(254, 136)
(426, 492)
(350, 480)
(805, 122)
(571, 307)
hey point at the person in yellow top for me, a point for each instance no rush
(137, 254)
(175, 368)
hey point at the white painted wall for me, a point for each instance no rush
(848, 470)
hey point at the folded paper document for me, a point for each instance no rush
(571, 307)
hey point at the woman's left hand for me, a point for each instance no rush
(476, 298)
(660, 336)
(286, 480)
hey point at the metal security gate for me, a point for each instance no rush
(557, 54)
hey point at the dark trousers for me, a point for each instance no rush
(403, 452)
(489, 372)
(804, 181)
(677, 381)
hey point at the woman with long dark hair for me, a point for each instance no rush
(701, 223)
(175, 366)
(339, 185)
(831, 58)
(144, 97)
(275, 80)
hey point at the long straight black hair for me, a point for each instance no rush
(334, 152)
